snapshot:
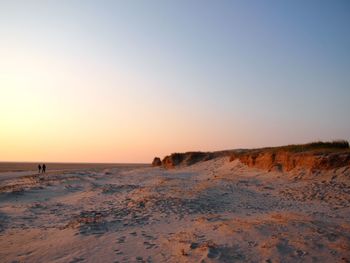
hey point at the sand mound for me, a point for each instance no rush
(190, 158)
(156, 161)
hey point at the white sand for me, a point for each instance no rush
(215, 211)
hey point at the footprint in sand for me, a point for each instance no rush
(118, 252)
(149, 245)
(213, 252)
(121, 240)
(139, 259)
(332, 237)
(148, 236)
(194, 245)
(75, 260)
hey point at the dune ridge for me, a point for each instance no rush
(312, 157)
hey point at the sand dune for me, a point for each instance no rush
(212, 211)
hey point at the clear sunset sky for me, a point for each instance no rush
(124, 81)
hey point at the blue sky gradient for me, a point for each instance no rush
(206, 74)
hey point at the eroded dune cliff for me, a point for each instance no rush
(311, 156)
(287, 161)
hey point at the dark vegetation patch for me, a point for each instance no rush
(333, 146)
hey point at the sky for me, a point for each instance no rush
(124, 81)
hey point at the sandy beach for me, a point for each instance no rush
(212, 211)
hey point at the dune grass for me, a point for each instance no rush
(337, 145)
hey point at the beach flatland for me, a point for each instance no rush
(212, 211)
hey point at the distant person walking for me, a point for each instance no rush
(39, 168)
(44, 168)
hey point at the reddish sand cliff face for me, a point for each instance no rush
(287, 161)
(185, 159)
(310, 156)
(266, 159)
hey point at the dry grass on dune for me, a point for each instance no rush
(337, 145)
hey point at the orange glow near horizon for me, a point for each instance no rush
(50, 111)
(119, 82)
(54, 111)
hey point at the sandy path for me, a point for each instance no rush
(213, 211)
